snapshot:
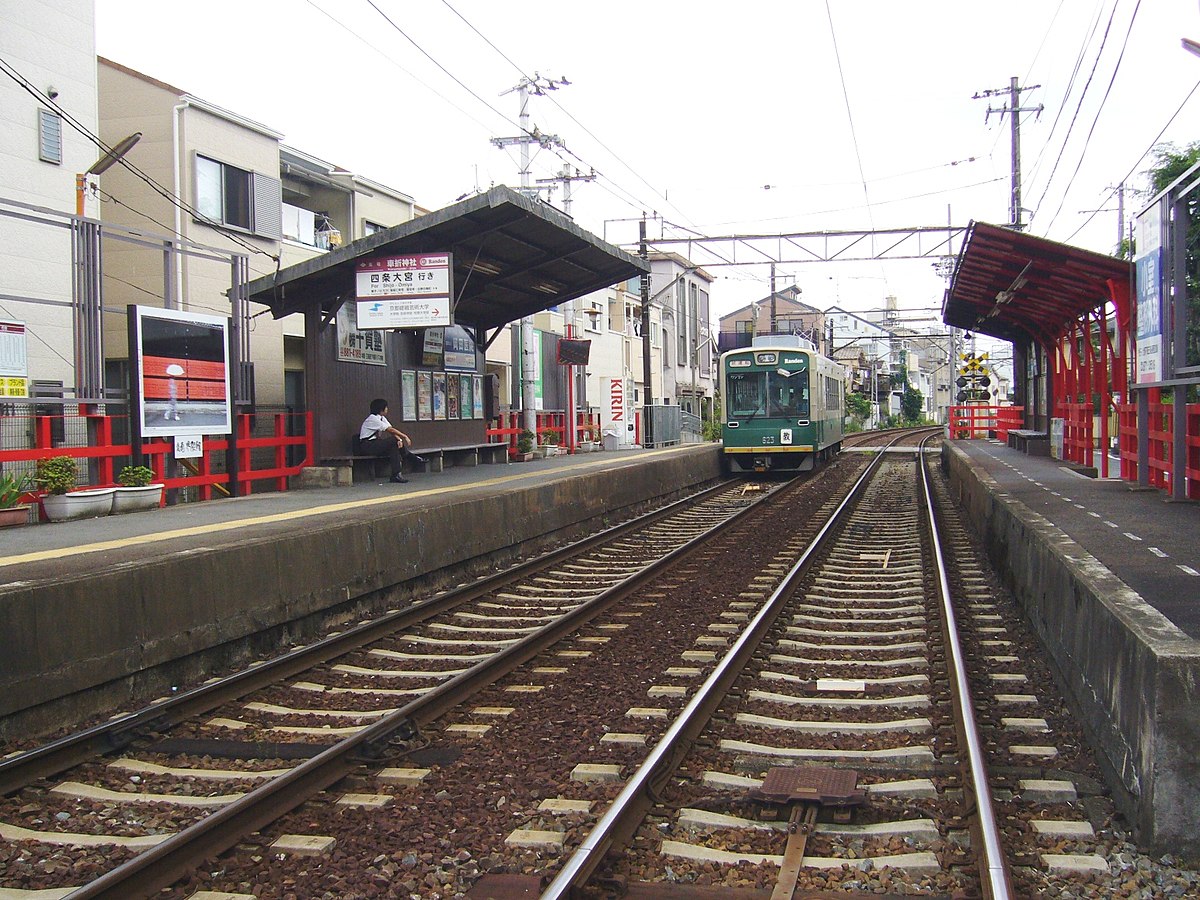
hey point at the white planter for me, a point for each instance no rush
(78, 504)
(132, 499)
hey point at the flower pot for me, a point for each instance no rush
(14, 515)
(132, 499)
(78, 504)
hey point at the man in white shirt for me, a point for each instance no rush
(377, 437)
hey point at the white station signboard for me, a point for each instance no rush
(405, 291)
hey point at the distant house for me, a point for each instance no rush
(791, 317)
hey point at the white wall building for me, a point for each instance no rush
(51, 47)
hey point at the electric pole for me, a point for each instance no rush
(538, 85)
(565, 178)
(647, 368)
(1014, 110)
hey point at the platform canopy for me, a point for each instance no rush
(1019, 287)
(513, 257)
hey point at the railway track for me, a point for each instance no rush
(516, 782)
(230, 762)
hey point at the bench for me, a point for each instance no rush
(1035, 443)
(436, 458)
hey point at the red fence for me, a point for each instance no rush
(102, 454)
(551, 428)
(979, 421)
(1161, 424)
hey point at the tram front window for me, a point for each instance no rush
(747, 394)
(789, 395)
(769, 394)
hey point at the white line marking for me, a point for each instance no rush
(1131, 536)
(1157, 552)
(1111, 524)
(1067, 500)
(1094, 515)
(1080, 506)
(1056, 493)
(1189, 570)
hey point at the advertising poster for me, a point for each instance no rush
(439, 395)
(478, 397)
(459, 349)
(14, 372)
(615, 418)
(182, 375)
(1149, 279)
(357, 346)
(425, 395)
(431, 347)
(408, 395)
(464, 392)
(452, 397)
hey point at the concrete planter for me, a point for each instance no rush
(14, 515)
(521, 457)
(589, 446)
(86, 504)
(133, 499)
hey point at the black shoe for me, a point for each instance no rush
(399, 479)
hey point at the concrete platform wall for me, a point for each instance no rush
(1132, 675)
(80, 646)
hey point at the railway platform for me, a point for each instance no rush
(1109, 577)
(120, 608)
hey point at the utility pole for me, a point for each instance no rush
(565, 178)
(773, 312)
(538, 86)
(647, 368)
(1014, 110)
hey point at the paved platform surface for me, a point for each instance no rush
(1148, 541)
(38, 551)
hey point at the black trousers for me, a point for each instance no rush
(388, 445)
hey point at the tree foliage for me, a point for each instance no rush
(912, 402)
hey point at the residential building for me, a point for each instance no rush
(51, 47)
(791, 316)
(230, 183)
(680, 291)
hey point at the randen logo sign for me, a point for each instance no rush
(405, 291)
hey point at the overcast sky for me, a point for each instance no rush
(857, 113)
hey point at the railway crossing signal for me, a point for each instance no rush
(973, 380)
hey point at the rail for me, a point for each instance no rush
(994, 868)
(638, 794)
(162, 864)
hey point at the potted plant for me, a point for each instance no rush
(524, 446)
(12, 489)
(136, 490)
(55, 476)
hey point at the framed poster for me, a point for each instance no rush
(439, 395)
(452, 397)
(181, 382)
(408, 395)
(464, 392)
(478, 398)
(425, 395)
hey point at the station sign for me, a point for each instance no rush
(1148, 269)
(405, 291)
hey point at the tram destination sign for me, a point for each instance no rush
(405, 291)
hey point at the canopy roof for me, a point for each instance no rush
(513, 256)
(1016, 286)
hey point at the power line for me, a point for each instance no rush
(1075, 115)
(1157, 137)
(1096, 118)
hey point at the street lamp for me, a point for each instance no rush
(103, 164)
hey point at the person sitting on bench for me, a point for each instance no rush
(377, 437)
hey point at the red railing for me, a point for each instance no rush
(509, 426)
(208, 475)
(977, 421)
(1161, 426)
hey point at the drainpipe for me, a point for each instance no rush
(176, 127)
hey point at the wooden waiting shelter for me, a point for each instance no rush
(512, 256)
(1067, 312)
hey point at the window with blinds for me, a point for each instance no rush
(249, 201)
(50, 147)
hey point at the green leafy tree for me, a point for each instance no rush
(858, 409)
(912, 402)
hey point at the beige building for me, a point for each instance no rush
(239, 190)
